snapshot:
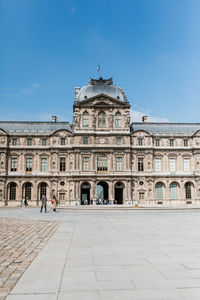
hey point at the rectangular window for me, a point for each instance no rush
(119, 141)
(157, 143)
(172, 164)
(62, 141)
(140, 164)
(43, 164)
(141, 196)
(13, 164)
(62, 164)
(158, 164)
(171, 143)
(140, 142)
(85, 140)
(85, 119)
(14, 142)
(29, 142)
(186, 164)
(185, 143)
(118, 163)
(85, 163)
(29, 164)
(44, 142)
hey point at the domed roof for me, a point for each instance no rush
(101, 86)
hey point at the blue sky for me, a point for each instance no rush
(151, 48)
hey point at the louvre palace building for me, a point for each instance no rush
(100, 155)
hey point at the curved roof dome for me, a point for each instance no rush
(101, 86)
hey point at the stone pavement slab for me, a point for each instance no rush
(20, 242)
(134, 255)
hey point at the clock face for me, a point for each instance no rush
(102, 141)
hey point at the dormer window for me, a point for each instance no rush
(29, 142)
(85, 119)
(62, 141)
(102, 119)
(140, 142)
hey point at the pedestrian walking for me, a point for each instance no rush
(25, 203)
(44, 203)
(54, 203)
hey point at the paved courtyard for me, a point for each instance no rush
(110, 254)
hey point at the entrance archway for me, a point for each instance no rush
(27, 189)
(102, 190)
(85, 193)
(119, 186)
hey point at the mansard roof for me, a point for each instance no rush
(34, 127)
(101, 86)
(167, 129)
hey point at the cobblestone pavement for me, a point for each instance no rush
(20, 242)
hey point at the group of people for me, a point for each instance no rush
(54, 203)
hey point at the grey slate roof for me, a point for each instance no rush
(101, 86)
(167, 129)
(34, 127)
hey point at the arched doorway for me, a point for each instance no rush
(85, 193)
(27, 190)
(119, 186)
(42, 190)
(102, 191)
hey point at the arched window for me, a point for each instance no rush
(188, 192)
(173, 189)
(13, 191)
(102, 163)
(159, 191)
(85, 119)
(117, 120)
(28, 190)
(102, 119)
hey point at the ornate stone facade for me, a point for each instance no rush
(100, 156)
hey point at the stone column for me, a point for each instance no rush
(111, 191)
(35, 196)
(19, 193)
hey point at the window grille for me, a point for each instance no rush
(28, 164)
(85, 163)
(85, 119)
(13, 164)
(43, 164)
(118, 163)
(62, 164)
(140, 164)
(118, 120)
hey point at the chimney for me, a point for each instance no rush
(54, 118)
(144, 119)
(77, 90)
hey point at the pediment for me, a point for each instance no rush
(62, 133)
(103, 100)
(2, 132)
(197, 133)
(140, 133)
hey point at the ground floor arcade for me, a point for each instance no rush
(87, 191)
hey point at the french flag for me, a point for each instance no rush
(98, 68)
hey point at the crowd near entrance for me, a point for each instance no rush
(102, 193)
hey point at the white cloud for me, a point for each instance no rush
(136, 116)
